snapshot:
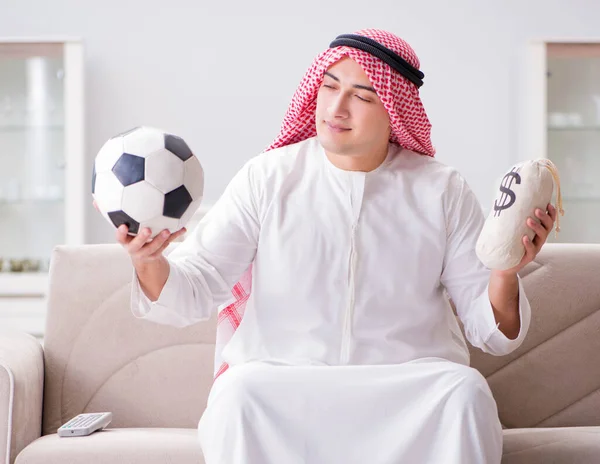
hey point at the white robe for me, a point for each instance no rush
(348, 313)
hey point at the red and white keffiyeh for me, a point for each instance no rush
(411, 129)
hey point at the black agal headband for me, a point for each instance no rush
(385, 54)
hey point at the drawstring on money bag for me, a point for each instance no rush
(559, 204)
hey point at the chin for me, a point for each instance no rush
(333, 146)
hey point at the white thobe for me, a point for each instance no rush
(348, 351)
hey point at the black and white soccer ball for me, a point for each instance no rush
(146, 177)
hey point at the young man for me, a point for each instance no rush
(340, 243)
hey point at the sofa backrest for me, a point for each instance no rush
(99, 357)
(553, 378)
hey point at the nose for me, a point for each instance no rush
(338, 107)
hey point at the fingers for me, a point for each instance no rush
(173, 236)
(132, 244)
(539, 229)
(121, 235)
(552, 212)
(139, 247)
(530, 249)
(156, 243)
(546, 218)
(142, 244)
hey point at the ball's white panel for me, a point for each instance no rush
(143, 141)
(109, 192)
(193, 178)
(194, 205)
(164, 170)
(109, 154)
(142, 201)
(158, 224)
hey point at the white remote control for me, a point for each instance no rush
(84, 424)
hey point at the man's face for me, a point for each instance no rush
(351, 119)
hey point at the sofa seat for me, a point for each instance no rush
(561, 445)
(568, 445)
(117, 446)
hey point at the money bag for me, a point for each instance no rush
(527, 186)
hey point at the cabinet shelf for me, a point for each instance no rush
(582, 198)
(23, 283)
(29, 201)
(25, 128)
(574, 128)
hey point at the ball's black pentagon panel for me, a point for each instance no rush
(178, 147)
(176, 202)
(129, 169)
(119, 217)
(123, 134)
(94, 178)
(108, 155)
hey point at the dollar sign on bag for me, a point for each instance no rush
(508, 197)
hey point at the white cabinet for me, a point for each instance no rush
(23, 302)
(562, 122)
(42, 177)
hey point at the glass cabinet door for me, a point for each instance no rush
(573, 135)
(36, 120)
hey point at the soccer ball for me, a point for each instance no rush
(147, 178)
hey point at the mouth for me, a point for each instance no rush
(336, 128)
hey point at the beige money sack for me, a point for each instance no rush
(527, 186)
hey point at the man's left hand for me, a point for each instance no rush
(542, 229)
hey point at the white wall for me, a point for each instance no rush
(221, 74)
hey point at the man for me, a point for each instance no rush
(349, 234)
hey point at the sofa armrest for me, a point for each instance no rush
(21, 393)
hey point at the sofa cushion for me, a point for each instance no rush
(131, 446)
(117, 446)
(564, 445)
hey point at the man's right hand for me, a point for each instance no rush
(152, 268)
(141, 248)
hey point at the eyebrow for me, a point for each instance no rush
(356, 86)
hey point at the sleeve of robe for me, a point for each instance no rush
(466, 279)
(205, 266)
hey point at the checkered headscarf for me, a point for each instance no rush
(410, 129)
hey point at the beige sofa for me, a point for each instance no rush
(155, 379)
